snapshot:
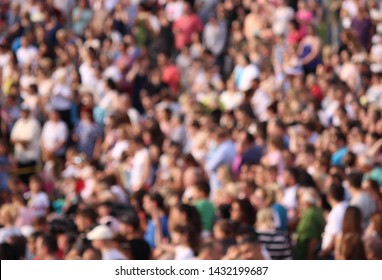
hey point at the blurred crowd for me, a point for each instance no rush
(191, 129)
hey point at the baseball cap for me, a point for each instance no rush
(101, 232)
(130, 219)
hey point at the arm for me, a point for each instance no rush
(316, 44)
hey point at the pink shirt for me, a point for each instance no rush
(184, 27)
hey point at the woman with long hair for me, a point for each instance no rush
(352, 225)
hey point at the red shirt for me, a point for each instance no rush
(184, 27)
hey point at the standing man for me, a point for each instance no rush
(25, 136)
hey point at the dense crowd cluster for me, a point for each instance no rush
(191, 129)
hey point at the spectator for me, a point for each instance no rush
(360, 198)
(309, 228)
(277, 243)
(335, 218)
(101, 237)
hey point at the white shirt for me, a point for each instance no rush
(27, 130)
(260, 102)
(138, 165)
(250, 73)
(53, 133)
(231, 101)
(6, 233)
(113, 254)
(183, 253)
(290, 197)
(39, 203)
(26, 55)
(61, 97)
(334, 223)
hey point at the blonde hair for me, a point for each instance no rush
(8, 214)
(265, 217)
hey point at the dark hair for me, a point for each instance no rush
(352, 247)
(248, 213)
(88, 213)
(50, 242)
(349, 159)
(192, 236)
(157, 198)
(373, 247)
(203, 187)
(250, 238)
(294, 173)
(226, 226)
(192, 216)
(8, 252)
(20, 244)
(355, 179)
(352, 221)
(337, 192)
(138, 197)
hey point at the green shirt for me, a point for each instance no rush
(207, 213)
(375, 174)
(311, 226)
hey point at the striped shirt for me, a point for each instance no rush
(277, 243)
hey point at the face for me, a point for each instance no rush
(235, 212)
(40, 250)
(80, 223)
(148, 205)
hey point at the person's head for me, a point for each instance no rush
(101, 237)
(212, 250)
(201, 190)
(85, 219)
(8, 252)
(352, 247)
(35, 184)
(375, 224)
(54, 116)
(181, 235)
(262, 197)
(8, 214)
(105, 208)
(365, 163)
(223, 229)
(187, 215)
(153, 202)
(137, 143)
(373, 247)
(265, 219)
(354, 180)
(243, 212)
(372, 187)
(20, 244)
(162, 60)
(192, 176)
(336, 193)
(352, 221)
(46, 247)
(129, 224)
(92, 254)
(250, 248)
(291, 176)
(86, 115)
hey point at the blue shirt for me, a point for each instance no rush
(338, 156)
(224, 154)
(150, 231)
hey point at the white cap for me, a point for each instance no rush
(27, 231)
(100, 232)
(308, 197)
